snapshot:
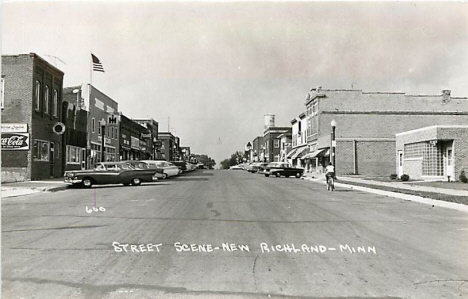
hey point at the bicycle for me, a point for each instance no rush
(331, 183)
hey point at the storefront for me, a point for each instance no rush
(432, 153)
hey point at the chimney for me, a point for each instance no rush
(318, 89)
(445, 95)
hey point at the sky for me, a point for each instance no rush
(210, 71)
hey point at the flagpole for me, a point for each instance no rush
(91, 68)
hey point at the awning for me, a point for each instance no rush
(299, 153)
(292, 152)
(315, 154)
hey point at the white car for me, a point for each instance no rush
(236, 167)
(168, 168)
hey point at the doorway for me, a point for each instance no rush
(400, 163)
(51, 159)
(449, 167)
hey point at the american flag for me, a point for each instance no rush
(97, 65)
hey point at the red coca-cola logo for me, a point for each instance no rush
(15, 141)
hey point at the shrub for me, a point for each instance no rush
(404, 178)
(463, 177)
(393, 176)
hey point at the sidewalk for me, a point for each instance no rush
(31, 187)
(435, 196)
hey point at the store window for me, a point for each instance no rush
(41, 150)
(37, 96)
(55, 104)
(47, 100)
(74, 155)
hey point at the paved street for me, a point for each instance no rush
(251, 235)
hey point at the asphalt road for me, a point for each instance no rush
(275, 237)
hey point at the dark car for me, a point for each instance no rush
(110, 173)
(283, 169)
(181, 164)
(144, 165)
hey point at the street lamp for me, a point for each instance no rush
(154, 148)
(333, 144)
(102, 123)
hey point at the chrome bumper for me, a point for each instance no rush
(72, 181)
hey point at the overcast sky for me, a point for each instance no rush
(217, 68)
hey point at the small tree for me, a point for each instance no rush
(404, 178)
(463, 177)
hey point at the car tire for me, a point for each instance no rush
(277, 174)
(136, 182)
(298, 175)
(87, 182)
(165, 176)
(267, 175)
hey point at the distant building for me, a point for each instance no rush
(285, 145)
(151, 139)
(272, 142)
(134, 139)
(433, 153)
(366, 124)
(258, 149)
(168, 147)
(31, 150)
(299, 146)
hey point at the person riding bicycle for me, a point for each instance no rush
(330, 171)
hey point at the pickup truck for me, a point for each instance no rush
(282, 169)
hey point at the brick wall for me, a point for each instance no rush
(18, 75)
(373, 157)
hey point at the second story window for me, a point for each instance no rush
(55, 104)
(46, 100)
(37, 96)
(93, 125)
(277, 143)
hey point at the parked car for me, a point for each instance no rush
(143, 165)
(110, 173)
(261, 167)
(256, 166)
(236, 167)
(283, 169)
(181, 164)
(248, 167)
(167, 168)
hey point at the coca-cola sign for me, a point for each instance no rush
(15, 141)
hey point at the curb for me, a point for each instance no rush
(21, 191)
(415, 198)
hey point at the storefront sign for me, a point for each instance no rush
(143, 135)
(113, 119)
(15, 141)
(106, 140)
(135, 142)
(14, 128)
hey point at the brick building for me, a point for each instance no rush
(367, 123)
(151, 140)
(435, 152)
(168, 147)
(31, 150)
(272, 142)
(134, 140)
(101, 108)
(75, 119)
